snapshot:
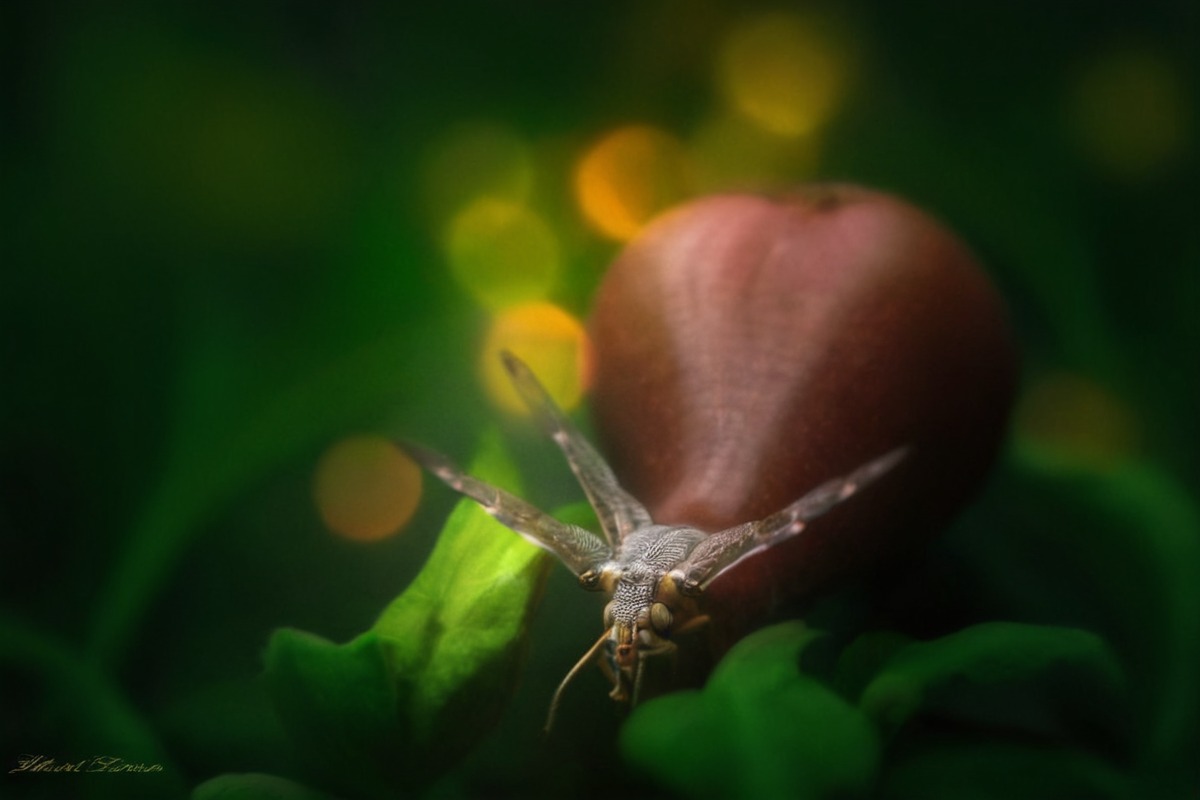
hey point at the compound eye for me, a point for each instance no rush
(590, 580)
(609, 616)
(660, 619)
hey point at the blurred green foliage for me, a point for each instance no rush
(750, 731)
(221, 252)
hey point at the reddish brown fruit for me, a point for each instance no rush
(748, 349)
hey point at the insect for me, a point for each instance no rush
(656, 574)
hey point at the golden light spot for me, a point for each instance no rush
(475, 160)
(1131, 112)
(366, 489)
(552, 342)
(1072, 413)
(732, 153)
(629, 176)
(781, 73)
(502, 253)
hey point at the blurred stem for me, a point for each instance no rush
(150, 554)
(212, 457)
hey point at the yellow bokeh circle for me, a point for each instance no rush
(502, 253)
(629, 176)
(780, 72)
(552, 342)
(1131, 112)
(365, 488)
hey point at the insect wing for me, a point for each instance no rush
(576, 547)
(723, 550)
(619, 513)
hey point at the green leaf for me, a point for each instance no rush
(1002, 675)
(403, 701)
(759, 728)
(1145, 538)
(339, 704)
(1113, 548)
(254, 786)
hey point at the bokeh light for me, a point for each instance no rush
(502, 253)
(365, 488)
(731, 153)
(476, 159)
(780, 72)
(552, 342)
(1078, 416)
(1131, 112)
(629, 176)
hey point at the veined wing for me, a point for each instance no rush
(721, 551)
(576, 547)
(619, 513)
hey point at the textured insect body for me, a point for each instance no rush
(656, 574)
(646, 607)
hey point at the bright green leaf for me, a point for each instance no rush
(456, 632)
(759, 728)
(403, 701)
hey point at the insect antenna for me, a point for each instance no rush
(588, 656)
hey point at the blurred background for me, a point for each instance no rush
(245, 245)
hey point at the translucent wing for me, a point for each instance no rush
(721, 551)
(579, 549)
(618, 511)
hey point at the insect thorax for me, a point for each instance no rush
(646, 556)
(657, 548)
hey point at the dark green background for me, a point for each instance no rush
(217, 259)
